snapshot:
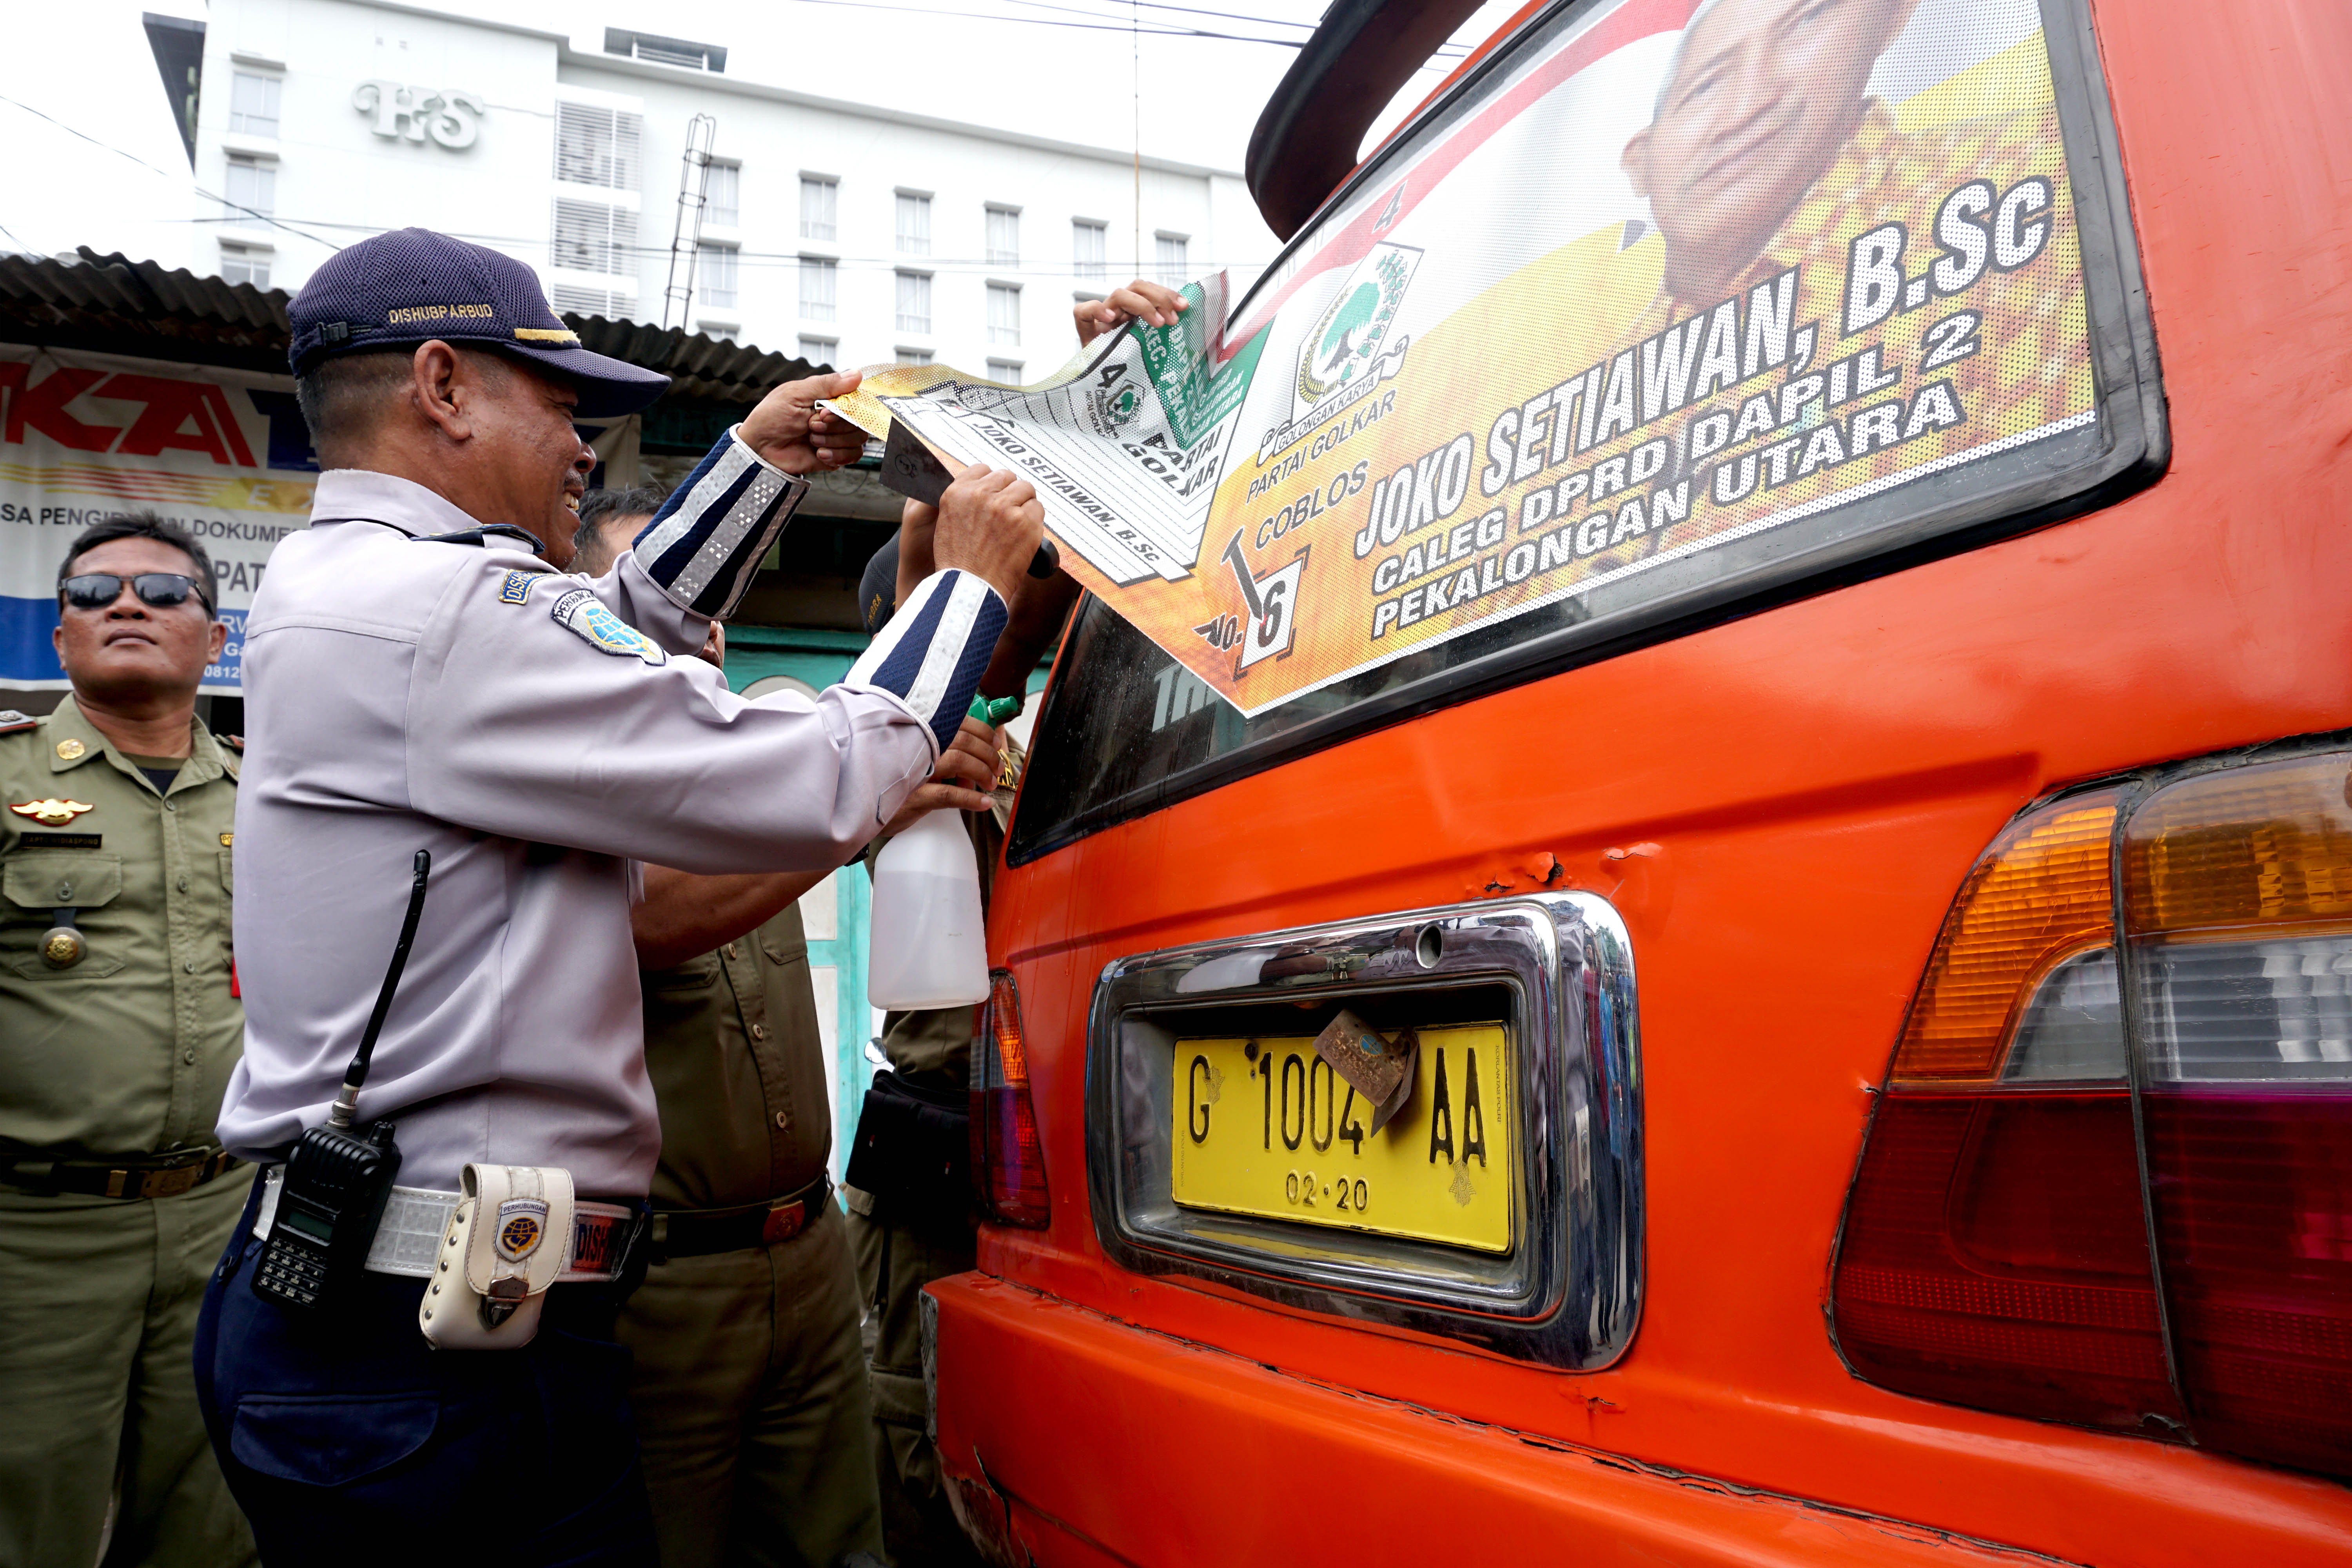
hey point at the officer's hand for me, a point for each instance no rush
(967, 771)
(1139, 302)
(791, 431)
(989, 523)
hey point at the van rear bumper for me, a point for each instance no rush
(1069, 1438)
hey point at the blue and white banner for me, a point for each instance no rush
(223, 453)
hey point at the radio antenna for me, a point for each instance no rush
(347, 1104)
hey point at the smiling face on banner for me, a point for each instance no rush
(1760, 96)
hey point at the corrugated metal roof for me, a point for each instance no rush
(112, 304)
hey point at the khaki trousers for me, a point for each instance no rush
(97, 1324)
(895, 1261)
(750, 1403)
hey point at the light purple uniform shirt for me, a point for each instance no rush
(540, 734)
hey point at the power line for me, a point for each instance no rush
(1156, 32)
(152, 169)
(1458, 49)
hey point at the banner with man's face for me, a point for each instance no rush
(1684, 284)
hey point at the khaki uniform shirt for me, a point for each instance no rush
(125, 1052)
(738, 1069)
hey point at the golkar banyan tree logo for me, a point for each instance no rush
(1344, 347)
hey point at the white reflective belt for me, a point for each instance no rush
(417, 1218)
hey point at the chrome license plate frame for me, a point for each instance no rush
(1568, 1292)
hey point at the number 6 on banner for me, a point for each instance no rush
(1273, 604)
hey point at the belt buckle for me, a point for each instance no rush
(169, 1184)
(783, 1222)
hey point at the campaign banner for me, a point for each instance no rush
(1684, 277)
(222, 453)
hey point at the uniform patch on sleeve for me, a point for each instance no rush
(582, 613)
(516, 588)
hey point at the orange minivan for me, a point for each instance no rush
(1875, 988)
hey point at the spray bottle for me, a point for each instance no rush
(928, 945)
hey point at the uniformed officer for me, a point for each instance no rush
(749, 1392)
(420, 679)
(907, 1226)
(119, 1023)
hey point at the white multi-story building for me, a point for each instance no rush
(842, 233)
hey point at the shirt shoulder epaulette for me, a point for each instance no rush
(480, 537)
(12, 722)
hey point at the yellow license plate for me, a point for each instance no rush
(1265, 1127)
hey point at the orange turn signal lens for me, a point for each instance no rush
(2039, 895)
(2267, 845)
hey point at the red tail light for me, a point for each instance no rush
(1007, 1163)
(2238, 900)
(1993, 1252)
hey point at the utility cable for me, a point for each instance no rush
(152, 169)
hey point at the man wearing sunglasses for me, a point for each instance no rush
(119, 1025)
(423, 675)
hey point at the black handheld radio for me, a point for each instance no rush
(337, 1180)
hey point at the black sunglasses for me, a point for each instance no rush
(164, 590)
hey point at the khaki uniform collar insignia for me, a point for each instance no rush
(74, 740)
(52, 813)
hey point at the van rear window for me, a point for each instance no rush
(1668, 311)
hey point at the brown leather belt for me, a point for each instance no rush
(695, 1233)
(149, 1176)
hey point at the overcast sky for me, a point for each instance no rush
(86, 66)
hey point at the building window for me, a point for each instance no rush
(1171, 260)
(243, 264)
(593, 238)
(1089, 250)
(1004, 316)
(1007, 371)
(253, 104)
(820, 202)
(596, 146)
(914, 224)
(612, 304)
(818, 277)
(821, 350)
(1003, 236)
(252, 186)
(914, 356)
(652, 47)
(914, 302)
(722, 198)
(716, 263)
(723, 331)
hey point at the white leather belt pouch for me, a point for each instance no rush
(509, 1239)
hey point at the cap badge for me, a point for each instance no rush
(70, 749)
(55, 813)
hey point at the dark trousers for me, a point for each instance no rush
(350, 1440)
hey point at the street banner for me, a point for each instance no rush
(223, 453)
(1683, 277)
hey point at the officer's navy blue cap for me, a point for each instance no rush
(413, 285)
